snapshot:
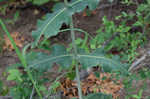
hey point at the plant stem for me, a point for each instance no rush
(66, 3)
(79, 30)
(22, 59)
(75, 54)
(75, 58)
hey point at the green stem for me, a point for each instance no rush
(79, 30)
(22, 59)
(66, 3)
(75, 56)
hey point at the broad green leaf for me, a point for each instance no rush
(53, 21)
(98, 58)
(60, 56)
(50, 26)
(42, 61)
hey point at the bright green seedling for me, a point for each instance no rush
(139, 95)
(124, 42)
(14, 74)
(45, 44)
(128, 2)
(81, 43)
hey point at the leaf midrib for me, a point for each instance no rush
(79, 55)
(45, 27)
(49, 59)
(99, 57)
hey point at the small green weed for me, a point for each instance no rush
(136, 96)
(142, 75)
(124, 42)
(45, 44)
